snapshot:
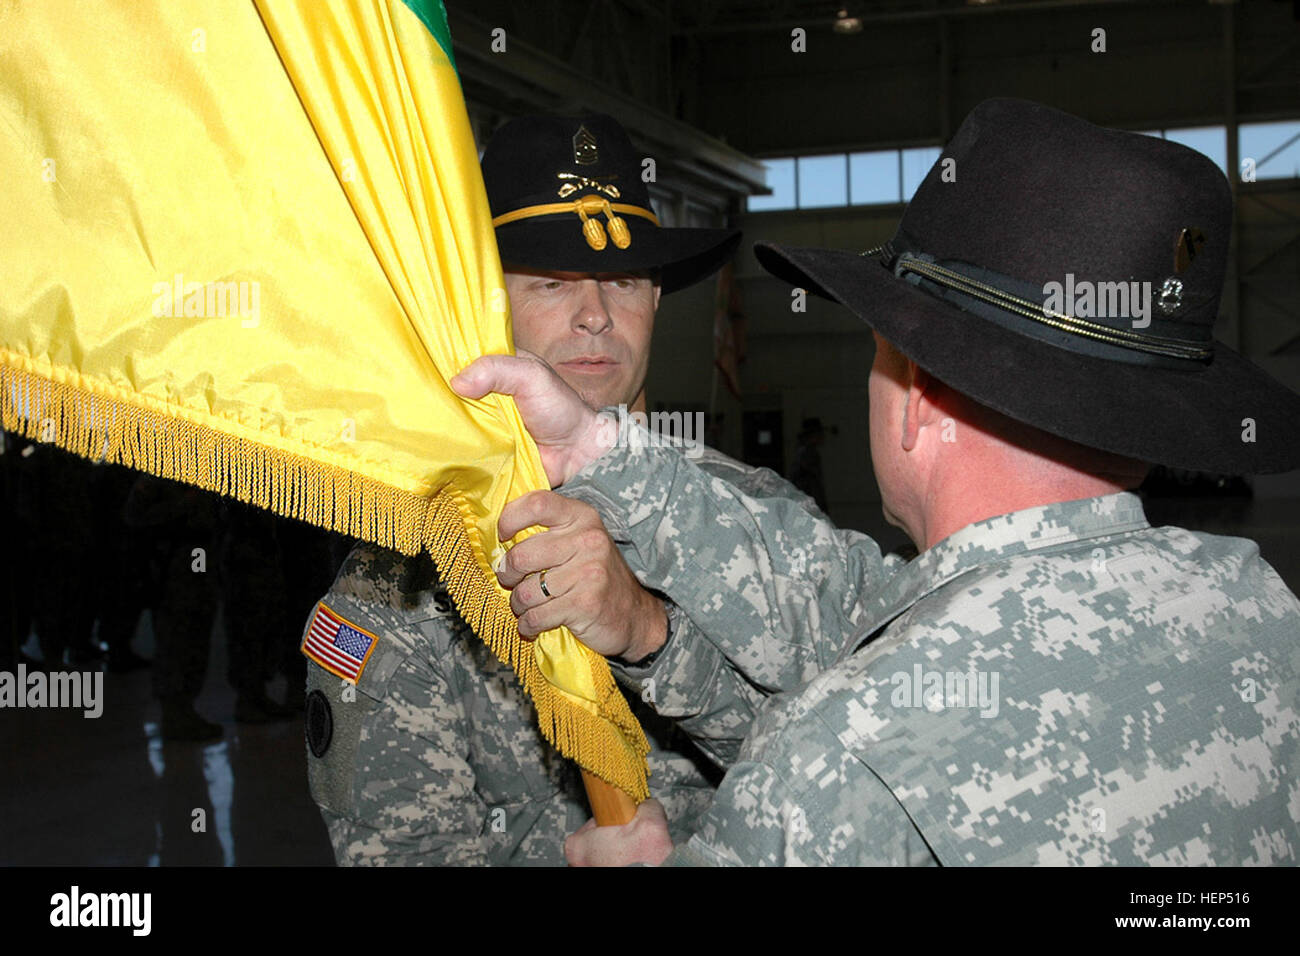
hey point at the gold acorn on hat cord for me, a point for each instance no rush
(592, 230)
(618, 228)
(587, 208)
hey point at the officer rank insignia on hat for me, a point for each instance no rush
(338, 645)
(584, 148)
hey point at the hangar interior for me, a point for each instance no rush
(733, 107)
(807, 122)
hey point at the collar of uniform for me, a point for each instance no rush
(995, 539)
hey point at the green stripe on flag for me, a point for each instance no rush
(434, 16)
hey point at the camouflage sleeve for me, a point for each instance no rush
(798, 797)
(691, 681)
(694, 685)
(752, 480)
(394, 784)
(681, 777)
(774, 587)
(719, 721)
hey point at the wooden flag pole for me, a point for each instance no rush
(609, 805)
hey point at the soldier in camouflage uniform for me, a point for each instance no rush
(1051, 680)
(435, 757)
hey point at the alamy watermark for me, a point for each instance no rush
(940, 690)
(208, 300)
(1084, 299)
(683, 430)
(78, 909)
(58, 689)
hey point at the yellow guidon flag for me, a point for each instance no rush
(245, 247)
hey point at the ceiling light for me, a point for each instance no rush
(847, 24)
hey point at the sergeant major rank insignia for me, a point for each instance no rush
(584, 148)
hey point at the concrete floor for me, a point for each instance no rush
(108, 791)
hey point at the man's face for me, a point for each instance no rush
(592, 328)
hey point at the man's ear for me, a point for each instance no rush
(916, 405)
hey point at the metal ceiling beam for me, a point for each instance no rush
(548, 83)
(902, 16)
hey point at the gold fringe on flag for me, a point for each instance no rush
(100, 422)
(230, 234)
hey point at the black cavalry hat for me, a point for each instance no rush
(1003, 281)
(567, 195)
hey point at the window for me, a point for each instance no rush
(1209, 140)
(873, 177)
(893, 175)
(1274, 148)
(780, 177)
(839, 179)
(822, 181)
(916, 163)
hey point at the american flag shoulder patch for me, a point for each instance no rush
(338, 645)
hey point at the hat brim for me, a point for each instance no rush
(683, 256)
(1196, 418)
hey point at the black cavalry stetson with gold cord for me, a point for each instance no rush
(1068, 276)
(567, 195)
